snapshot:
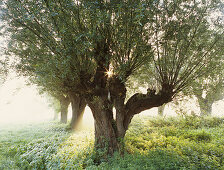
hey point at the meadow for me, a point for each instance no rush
(151, 143)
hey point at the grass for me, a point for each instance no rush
(172, 143)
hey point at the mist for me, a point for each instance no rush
(20, 103)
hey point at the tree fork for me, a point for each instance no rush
(109, 133)
(118, 93)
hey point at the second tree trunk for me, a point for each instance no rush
(64, 110)
(78, 108)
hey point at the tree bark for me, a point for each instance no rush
(64, 103)
(161, 110)
(64, 113)
(110, 132)
(205, 104)
(78, 108)
(205, 107)
(214, 93)
(105, 127)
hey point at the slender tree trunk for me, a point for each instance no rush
(55, 116)
(64, 103)
(205, 107)
(78, 108)
(64, 114)
(161, 110)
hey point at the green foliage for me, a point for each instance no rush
(198, 146)
(156, 159)
(67, 46)
(172, 143)
(43, 146)
(198, 136)
(191, 121)
(60, 44)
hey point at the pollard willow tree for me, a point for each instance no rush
(55, 86)
(52, 84)
(209, 89)
(100, 44)
(44, 70)
(60, 102)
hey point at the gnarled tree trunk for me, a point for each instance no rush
(205, 103)
(78, 108)
(109, 132)
(105, 127)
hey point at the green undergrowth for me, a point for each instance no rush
(150, 143)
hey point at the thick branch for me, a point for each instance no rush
(140, 102)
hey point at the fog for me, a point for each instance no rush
(20, 103)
